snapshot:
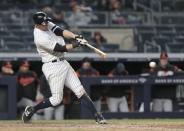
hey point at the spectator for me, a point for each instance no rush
(57, 16)
(46, 2)
(7, 68)
(113, 4)
(48, 10)
(163, 95)
(88, 70)
(27, 1)
(27, 85)
(117, 95)
(79, 16)
(56, 112)
(101, 4)
(98, 40)
(117, 17)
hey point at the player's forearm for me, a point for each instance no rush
(60, 32)
(70, 46)
(65, 48)
(68, 34)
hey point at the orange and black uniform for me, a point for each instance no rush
(117, 91)
(164, 91)
(27, 85)
(87, 72)
(95, 91)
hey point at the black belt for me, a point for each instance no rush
(57, 60)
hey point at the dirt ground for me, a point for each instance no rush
(89, 125)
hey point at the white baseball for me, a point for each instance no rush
(152, 64)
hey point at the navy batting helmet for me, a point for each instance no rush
(39, 17)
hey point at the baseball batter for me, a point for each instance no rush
(49, 40)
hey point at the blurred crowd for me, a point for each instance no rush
(107, 5)
(82, 12)
(31, 88)
(78, 12)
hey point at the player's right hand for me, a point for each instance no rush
(80, 40)
(79, 37)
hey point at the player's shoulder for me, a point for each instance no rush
(40, 36)
(38, 32)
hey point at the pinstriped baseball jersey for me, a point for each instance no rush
(45, 42)
(58, 73)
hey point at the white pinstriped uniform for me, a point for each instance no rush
(58, 73)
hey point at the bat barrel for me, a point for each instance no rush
(101, 53)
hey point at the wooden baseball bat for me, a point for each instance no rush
(99, 52)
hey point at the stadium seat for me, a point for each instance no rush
(145, 28)
(14, 27)
(30, 46)
(86, 34)
(179, 29)
(109, 47)
(179, 39)
(4, 34)
(175, 47)
(15, 46)
(163, 29)
(147, 36)
(162, 41)
(168, 34)
(11, 39)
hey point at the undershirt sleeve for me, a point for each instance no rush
(60, 48)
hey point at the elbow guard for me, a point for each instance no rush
(57, 30)
(60, 48)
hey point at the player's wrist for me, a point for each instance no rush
(75, 45)
(78, 37)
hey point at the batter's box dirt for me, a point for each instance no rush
(90, 125)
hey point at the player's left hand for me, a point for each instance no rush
(48, 19)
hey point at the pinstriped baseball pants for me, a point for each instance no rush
(59, 74)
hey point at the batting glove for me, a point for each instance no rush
(48, 19)
(80, 40)
(79, 37)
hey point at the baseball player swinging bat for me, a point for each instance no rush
(50, 44)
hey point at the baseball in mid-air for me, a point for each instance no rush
(152, 64)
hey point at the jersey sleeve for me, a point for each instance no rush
(55, 29)
(51, 25)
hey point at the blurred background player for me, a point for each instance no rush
(117, 101)
(163, 96)
(27, 85)
(7, 68)
(87, 70)
(57, 112)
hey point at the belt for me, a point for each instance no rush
(57, 60)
